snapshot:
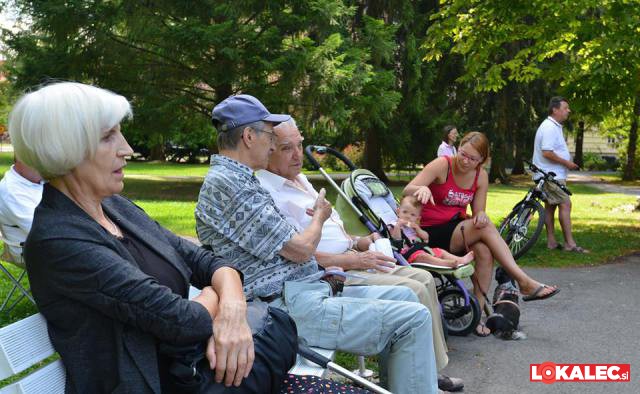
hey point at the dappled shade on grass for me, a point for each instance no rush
(160, 189)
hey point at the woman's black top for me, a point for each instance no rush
(159, 268)
(153, 264)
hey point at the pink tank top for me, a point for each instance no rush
(450, 200)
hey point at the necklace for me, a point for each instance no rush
(116, 230)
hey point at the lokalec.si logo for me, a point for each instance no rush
(549, 372)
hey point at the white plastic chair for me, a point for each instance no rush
(17, 261)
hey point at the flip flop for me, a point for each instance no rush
(558, 247)
(535, 296)
(577, 249)
(480, 333)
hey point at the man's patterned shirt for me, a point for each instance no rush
(240, 221)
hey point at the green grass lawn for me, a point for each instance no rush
(165, 169)
(599, 218)
(6, 159)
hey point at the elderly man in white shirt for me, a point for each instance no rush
(550, 153)
(294, 197)
(20, 193)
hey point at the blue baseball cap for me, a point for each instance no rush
(242, 109)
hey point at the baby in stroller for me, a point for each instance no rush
(412, 241)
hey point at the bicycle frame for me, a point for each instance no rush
(514, 228)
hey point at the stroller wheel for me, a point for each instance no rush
(460, 318)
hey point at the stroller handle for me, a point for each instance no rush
(308, 152)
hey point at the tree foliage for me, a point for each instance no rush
(383, 74)
(585, 49)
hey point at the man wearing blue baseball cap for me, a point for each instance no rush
(238, 219)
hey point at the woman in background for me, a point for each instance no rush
(449, 138)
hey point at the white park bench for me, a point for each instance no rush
(26, 343)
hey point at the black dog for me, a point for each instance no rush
(505, 319)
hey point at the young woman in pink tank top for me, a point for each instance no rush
(446, 186)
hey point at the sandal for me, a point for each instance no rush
(557, 247)
(536, 294)
(481, 333)
(577, 249)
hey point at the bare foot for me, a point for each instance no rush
(482, 330)
(466, 259)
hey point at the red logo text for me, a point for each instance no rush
(549, 372)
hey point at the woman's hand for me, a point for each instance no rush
(423, 194)
(480, 220)
(230, 349)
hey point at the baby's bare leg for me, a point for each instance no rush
(433, 260)
(467, 258)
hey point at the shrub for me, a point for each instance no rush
(594, 162)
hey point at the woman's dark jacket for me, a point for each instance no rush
(105, 316)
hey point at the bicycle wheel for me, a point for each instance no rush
(521, 229)
(459, 319)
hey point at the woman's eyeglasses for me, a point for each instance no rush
(469, 157)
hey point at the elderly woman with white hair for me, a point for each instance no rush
(111, 282)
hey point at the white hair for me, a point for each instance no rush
(54, 128)
(290, 123)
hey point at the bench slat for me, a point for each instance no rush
(22, 344)
(47, 380)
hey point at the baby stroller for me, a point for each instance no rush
(367, 205)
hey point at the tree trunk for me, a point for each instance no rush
(373, 154)
(579, 157)
(498, 155)
(157, 152)
(518, 163)
(629, 168)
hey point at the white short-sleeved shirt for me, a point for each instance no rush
(549, 137)
(446, 150)
(19, 197)
(293, 199)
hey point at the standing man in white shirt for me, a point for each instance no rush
(293, 195)
(20, 193)
(550, 153)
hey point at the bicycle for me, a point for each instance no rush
(520, 229)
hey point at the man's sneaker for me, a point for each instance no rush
(445, 383)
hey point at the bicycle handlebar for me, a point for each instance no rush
(548, 176)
